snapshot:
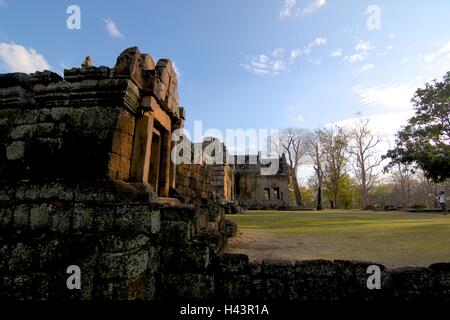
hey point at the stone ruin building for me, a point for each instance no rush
(86, 180)
(235, 181)
(207, 181)
(257, 191)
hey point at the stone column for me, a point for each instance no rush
(164, 178)
(140, 164)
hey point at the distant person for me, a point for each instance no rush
(441, 198)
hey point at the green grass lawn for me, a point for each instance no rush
(391, 238)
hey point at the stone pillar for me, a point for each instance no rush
(140, 165)
(164, 178)
(173, 167)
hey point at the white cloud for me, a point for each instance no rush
(278, 52)
(357, 57)
(267, 63)
(363, 46)
(385, 52)
(112, 29)
(3, 4)
(365, 68)
(362, 49)
(277, 60)
(395, 96)
(385, 125)
(312, 7)
(296, 53)
(315, 61)
(299, 118)
(289, 5)
(321, 41)
(337, 53)
(18, 58)
(405, 60)
(287, 8)
(430, 57)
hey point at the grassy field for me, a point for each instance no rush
(391, 238)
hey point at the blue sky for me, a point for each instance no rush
(251, 63)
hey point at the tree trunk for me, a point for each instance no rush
(319, 199)
(336, 199)
(298, 196)
(364, 193)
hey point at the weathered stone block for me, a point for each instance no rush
(31, 131)
(129, 289)
(278, 268)
(22, 217)
(237, 287)
(318, 268)
(412, 283)
(83, 218)
(441, 272)
(188, 286)
(233, 263)
(138, 218)
(123, 265)
(191, 258)
(178, 214)
(275, 289)
(39, 216)
(117, 244)
(214, 240)
(6, 216)
(153, 259)
(6, 193)
(60, 219)
(104, 218)
(150, 287)
(15, 151)
(228, 228)
(96, 192)
(21, 260)
(57, 190)
(176, 233)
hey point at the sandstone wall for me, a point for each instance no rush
(193, 183)
(251, 187)
(222, 182)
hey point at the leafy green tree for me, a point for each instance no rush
(425, 141)
(350, 193)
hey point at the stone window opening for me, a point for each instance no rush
(267, 194)
(276, 193)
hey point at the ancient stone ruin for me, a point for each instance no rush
(257, 191)
(86, 180)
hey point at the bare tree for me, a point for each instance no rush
(315, 152)
(293, 144)
(334, 142)
(403, 179)
(365, 160)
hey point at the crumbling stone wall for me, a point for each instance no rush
(222, 182)
(256, 191)
(193, 183)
